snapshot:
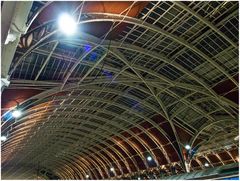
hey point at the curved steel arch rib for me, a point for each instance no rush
(96, 88)
(209, 125)
(99, 17)
(153, 90)
(164, 59)
(209, 24)
(134, 48)
(97, 108)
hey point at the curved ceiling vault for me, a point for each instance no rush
(138, 79)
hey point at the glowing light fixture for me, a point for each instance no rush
(236, 138)
(111, 169)
(188, 147)
(67, 24)
(16, 113)
(87, 176)
(139, 178)
(3, 138)
(149, 158)
(206, 165)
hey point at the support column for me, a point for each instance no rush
(14, 18)
(187, 165)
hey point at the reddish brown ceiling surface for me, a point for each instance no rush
(115, 7)
(226, 89)
(11, 97)
(97, 29)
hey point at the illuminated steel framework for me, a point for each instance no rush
(113, 101)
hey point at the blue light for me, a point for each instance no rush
(136, 103)
(231, 178)
(107, 74)
(93, 56)
(87, 48)
(8, 116)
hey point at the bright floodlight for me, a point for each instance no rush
(3, 138)
(16, 113)
(112, 169)
(87, 176)
(206, 165)
(67, 24)
(188, 147)
(149, 158)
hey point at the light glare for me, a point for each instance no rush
(112, 169)
(149, 158)
(3, 138)
(87, 176)
(206, 165)
(16, 113)
(67, 24)
(188, 147)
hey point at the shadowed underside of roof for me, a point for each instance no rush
(138, 79)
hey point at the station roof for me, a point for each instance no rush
(138, 79)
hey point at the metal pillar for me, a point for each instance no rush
(14, 17)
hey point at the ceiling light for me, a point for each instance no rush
(228, 147)
(3, 138)
(67, 24)
(206, 165)
(188, 147)
(87, 176)
(149, 158)
(112, 169)
(236, 138)
(16, 113)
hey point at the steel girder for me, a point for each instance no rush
(114, 50)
